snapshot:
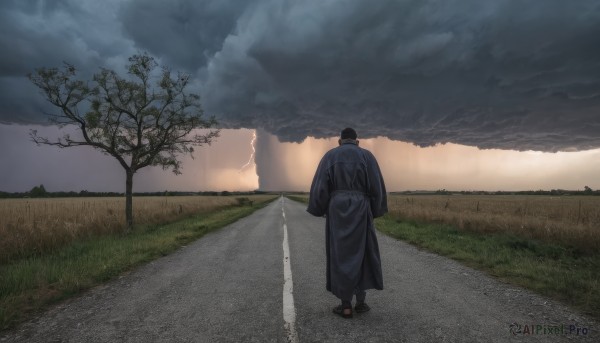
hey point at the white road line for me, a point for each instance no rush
(289, 312)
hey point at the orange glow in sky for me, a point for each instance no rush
(449, 166)
(291, 166)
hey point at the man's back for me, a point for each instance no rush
(348, 168)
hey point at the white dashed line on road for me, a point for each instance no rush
(289, 312)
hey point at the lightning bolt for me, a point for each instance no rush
(253, 152)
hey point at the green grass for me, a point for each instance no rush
(553, 270)
(31, 284)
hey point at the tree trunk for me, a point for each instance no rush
(129, 200)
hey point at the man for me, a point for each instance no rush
(348, 189)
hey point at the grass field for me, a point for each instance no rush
(572, 221)
(30, 283)
(549, 245)
(34, 226)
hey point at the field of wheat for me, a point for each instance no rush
(31, 226)
(566, 220)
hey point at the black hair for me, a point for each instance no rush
(348, 133)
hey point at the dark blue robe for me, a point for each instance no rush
(348, 188)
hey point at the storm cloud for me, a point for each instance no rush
(492, 74)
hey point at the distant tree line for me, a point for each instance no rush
(40, 192)
(554, 192)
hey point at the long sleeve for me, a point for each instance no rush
(319, 190)
(377, 192)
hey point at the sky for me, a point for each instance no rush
(454, 94)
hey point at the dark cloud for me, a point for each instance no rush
(40, 33)
(493, 74)
(486, 73)
(185, 32)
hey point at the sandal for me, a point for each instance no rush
(361, 307)
(339, 310)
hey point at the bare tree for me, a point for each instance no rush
(144, 119)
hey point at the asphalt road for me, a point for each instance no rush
(229, 287)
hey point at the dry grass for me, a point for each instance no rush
(572, 221)
(33, 226)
